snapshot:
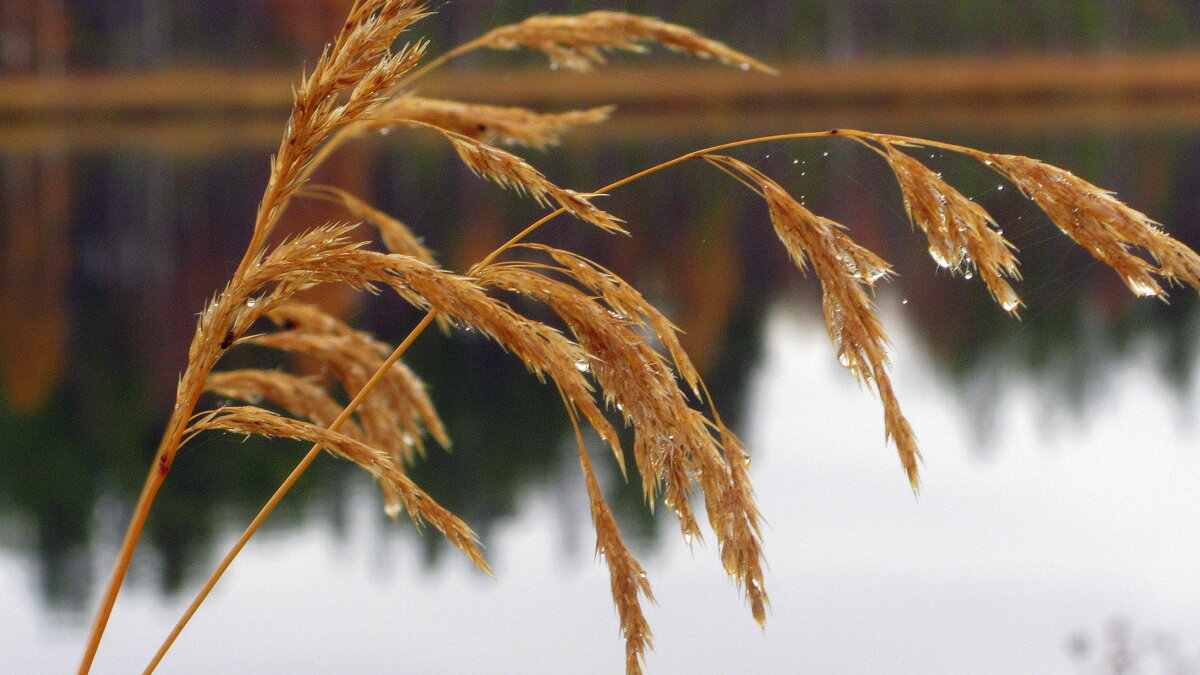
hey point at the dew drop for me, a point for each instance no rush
(582, 365)
(904, 301)
(999, 187)
(968, 275)
(385, 131)
(252, 302)
(745, 66)
(844, 359)
(824, 154)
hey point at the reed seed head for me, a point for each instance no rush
(488, 123)
(579, 42)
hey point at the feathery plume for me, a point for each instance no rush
(397, 414)
(628, 370)
(579, 42)
(626, 301)
(487, 123)
(544, 350)
(626, 576)
(513, 172)
(397, 237)
(846, 271)
(420, 506)
(962, 235)
(1098, 222)
(300, 397)
(674, 447)
(350, 79)
(741, 541)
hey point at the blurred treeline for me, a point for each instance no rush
(57, 35)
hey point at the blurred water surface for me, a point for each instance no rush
(1061, 460)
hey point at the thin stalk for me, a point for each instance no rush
(153, 482)
(164, 457)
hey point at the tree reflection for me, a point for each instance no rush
(104, 269)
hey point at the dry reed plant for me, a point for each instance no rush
(617, 352)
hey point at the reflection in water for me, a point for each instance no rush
(991, 571)
(109, 256)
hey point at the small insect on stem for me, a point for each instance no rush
(228, 341)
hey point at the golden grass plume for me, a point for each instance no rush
(579, 42)
(488, 123)
(616, 349)
(1107, 228)
(420, 506)
(962, 236)
(846, 272)
(393, 233)
(676, 449)
(514, 172)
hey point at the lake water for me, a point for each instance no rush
(1057, 526)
